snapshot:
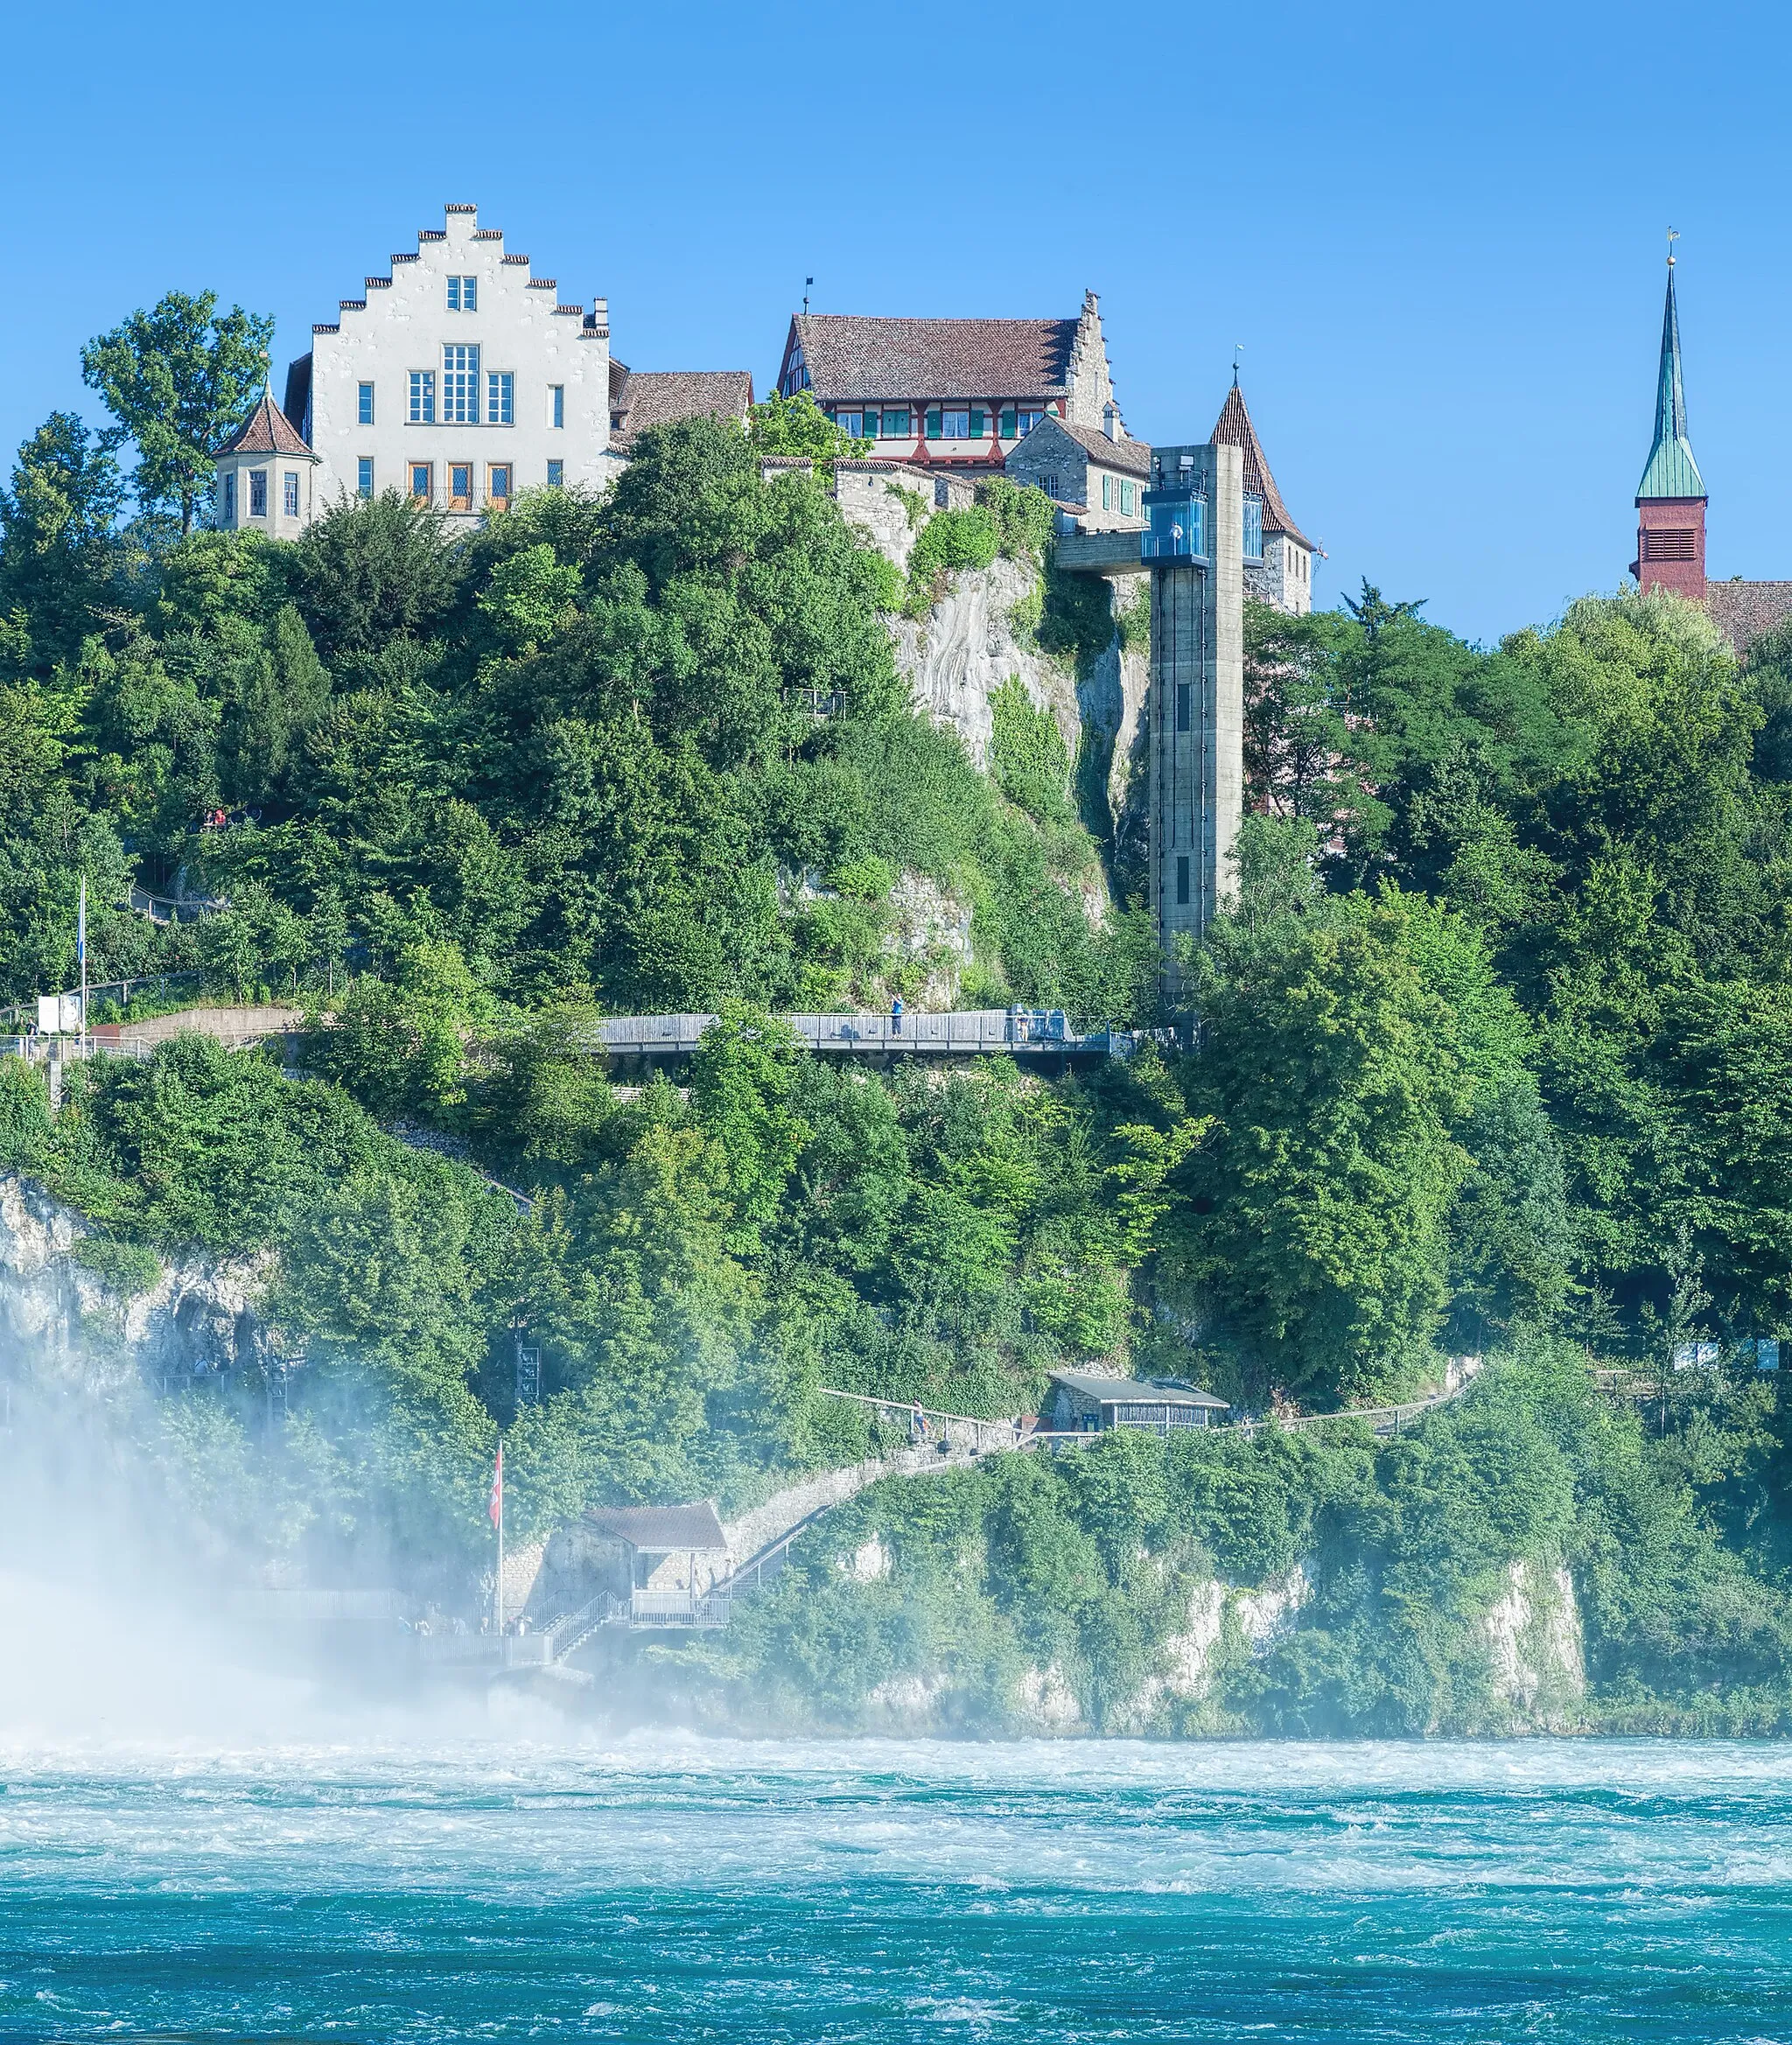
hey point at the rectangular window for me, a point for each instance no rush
(556, 475)
(930, 423)
(290, 494)
(460, 485)
(851, 423)
(500, 397)
(230, 499)
(1006, 422)
(364, 476)
(1107, 492)
(460, 384)
(1049, 485)
(896, 426)
(423, 481)
(422, 397)
(1184, 705)
(463, 294)
(258, 492)
(954, 422)
(1182, 880)
(1028, 418)
(556, 392)
(1126, 500)
(498, 483)
(364, 406)
(1253, 529)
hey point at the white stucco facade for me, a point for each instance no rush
(458, 393)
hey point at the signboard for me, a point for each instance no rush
(59, 1012)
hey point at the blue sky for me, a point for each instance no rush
(1438, 232)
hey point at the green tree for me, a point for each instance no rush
(1315, 1224)
(59, 555)
(178, 379)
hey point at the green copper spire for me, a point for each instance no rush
(1671, 471)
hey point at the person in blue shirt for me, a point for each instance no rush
(896, 1015)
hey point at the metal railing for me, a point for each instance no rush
(681, 1608)
(974, 1031)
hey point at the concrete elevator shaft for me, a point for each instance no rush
(1194, 723)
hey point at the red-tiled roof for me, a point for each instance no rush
(1235, 429)
(266, 430)
(661, 1529)
(650, 397)
(1134, 455)
(849, 355)
(1744, 612)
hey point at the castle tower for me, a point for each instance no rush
(266, 476)
(1277, 555)
(1670, 499)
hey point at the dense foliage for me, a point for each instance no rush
(1065, 1587)
(1491, 1053)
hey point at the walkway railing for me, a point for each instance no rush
(960, 1032)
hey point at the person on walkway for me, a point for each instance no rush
(896, 1015)
(917, 1424)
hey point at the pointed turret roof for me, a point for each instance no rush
(1235, 429)
(1670, 471)
(266, 430)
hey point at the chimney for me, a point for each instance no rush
(600, 313)
(1110, 419)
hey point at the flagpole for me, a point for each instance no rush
(80, 945)
(498, 1514)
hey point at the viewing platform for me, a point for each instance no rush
(1032, 1034)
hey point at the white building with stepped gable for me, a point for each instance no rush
(460, 378)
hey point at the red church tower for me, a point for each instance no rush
(1670, 499)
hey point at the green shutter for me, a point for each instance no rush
(1107, 492)
(977, 419)
(1007, 422)
(932, 423)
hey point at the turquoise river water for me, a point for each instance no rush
(526, 1882)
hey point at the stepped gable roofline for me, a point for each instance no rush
(652, 397)
(662, 1529)
(1129, 1391)
(1670, 470)
(266, 430)
(1115, 455)
(1233, 429)
(849, 355)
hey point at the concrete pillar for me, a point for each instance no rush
(1196, 701)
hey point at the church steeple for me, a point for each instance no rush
(1670, 499)
(1670, 472)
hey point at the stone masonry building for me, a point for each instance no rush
(953, 394)
(1277, 555)
(460, 378)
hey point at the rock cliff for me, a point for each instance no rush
(61, 1322)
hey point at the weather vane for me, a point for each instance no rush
(1673, 236)
(1237, 350)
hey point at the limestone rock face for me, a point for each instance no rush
(969, 643)
(1534, 1643)
(61, 1320)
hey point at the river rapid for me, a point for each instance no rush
(426, 1879)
